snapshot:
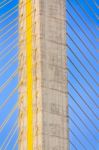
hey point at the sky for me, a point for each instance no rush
(79, 36)
(82, 67)
(6, 54)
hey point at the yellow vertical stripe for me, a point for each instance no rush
(29, 75)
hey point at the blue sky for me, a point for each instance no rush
(78, 130)
(6, 53)
(79, 134)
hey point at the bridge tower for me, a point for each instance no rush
(42, 75)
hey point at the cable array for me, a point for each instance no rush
(11, 137)
(6, 67)
(87, 15)
(82, 30)
(3, 15)
(15, 144)
(81, 18)
(3, 1)
(82, 133)
(84, 77)
(91, 9)
(5, 4)
(8, 136)
(79, 141)
(91, 99)
(9, 46)
(90, 63)
(10, 31)
(86, 126)
(82, 41)
(71, 50)
(75, 96)
(95, 4)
